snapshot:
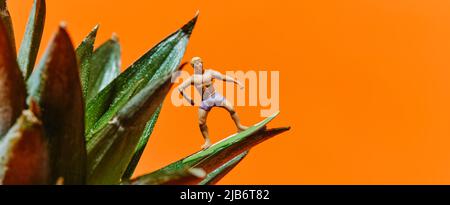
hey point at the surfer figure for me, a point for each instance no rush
(202, 80)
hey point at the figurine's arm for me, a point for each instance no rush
(226, 78)
(183, 86)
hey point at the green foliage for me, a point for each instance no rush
(84, 54)
(75, 119)
(56, 87)
(214, 176)
(12, 89)
(32, 38)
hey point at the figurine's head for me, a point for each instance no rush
(197, 63)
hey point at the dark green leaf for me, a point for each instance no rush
(23, 153)
(6, 18)
(218, 157)
(216, 175)
(172, 177)
(84, 53)
(163, 58)
(12, 85)
(111, 150)
(228, 148)
(104, 66)
(142, 144)
(57, 89)
(119, 113)
(32, 38)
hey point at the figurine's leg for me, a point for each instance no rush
(202, 114)
(227, 105)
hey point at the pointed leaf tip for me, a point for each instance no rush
(197, 172)
(183, 176)
(33, 33)
(189, 27)
(88, 42)
(62, 38)
(24, 153)
(5, 16)
(114, 37)
(62, 25)
(96, 27)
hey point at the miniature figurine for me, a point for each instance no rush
(202, 80)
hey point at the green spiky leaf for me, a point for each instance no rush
(12, 85)
(170, 177)
(225, 150)
(32, 39)
(5, 17)
(119, 113)
(163, 58)
(143, 141)
(56, 87)
(23, 151)
(233, 148)
(216, 175)
(104, 66)
(142, 144)
(111, 150)
(84, 53)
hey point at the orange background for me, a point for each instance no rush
(364, 84)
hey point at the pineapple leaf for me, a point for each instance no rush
(170, 177)
(219, 156)
(104, 66)
(163, 58)
(24, 152)
(6, 19)
(123, 108)
(84, 53)
(56, 87)
(142, 144)
(143, 140)
(228, 148)
(32, 39)
(111, 150)
(12, 85)
(216, 175)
